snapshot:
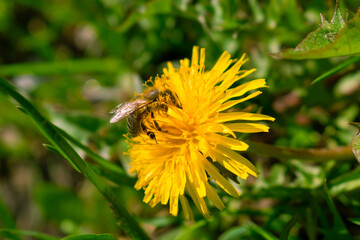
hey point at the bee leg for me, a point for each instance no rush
(173, 98)
(152, 136)
(155, 123)
(149, 133)
(157, 126)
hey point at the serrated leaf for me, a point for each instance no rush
(355, 143)
(333, 39)
(104, 236)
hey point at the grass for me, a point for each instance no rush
(67, 64)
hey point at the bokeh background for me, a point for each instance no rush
(76, 60)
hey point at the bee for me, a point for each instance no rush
(139, 108)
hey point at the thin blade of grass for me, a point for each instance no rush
(104, 236)
(262, 232)
(96, 157)
(7, 221)
(107, 65)
(286, 230)
(127, 222)
(338, 229)
(336, 69)
(17, 233)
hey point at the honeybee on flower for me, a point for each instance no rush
(183, 129)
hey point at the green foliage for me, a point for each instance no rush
(64, 67)
(58, 204)
(127, 222)
(41, 236)
(75, 60)
(333, 39)
(12, 234)
(90, 237)
(355, 143)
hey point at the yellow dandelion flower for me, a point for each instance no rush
(188, 128)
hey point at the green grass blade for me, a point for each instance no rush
(262, 232)
(113, 176)
(286, 230)
(355, 221)
(336, 69)
(127, 222)
(97, 158)
(5, 218)
(105, 168)
(36, 235)
(338, 230)
(90, 237)
(107, 65)
(7, 221)
(346, 182)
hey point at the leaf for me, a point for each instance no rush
(346, 182)
(192, 232)
(104, 236)
(262, 232)
(355, 143)
(36, 235)
(5, 216)
(355, 220)
(88, 123)
(333, 39)
(234, 233)
(151, 8)
(338, 230)
(107, 65)
(58, 204)
(286, 230)
(51, 148)
(7, 221)
(160, 222)
(105, 168)
(23, 110)
(127, 222)
(336, 69)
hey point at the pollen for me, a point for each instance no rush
(194, 131)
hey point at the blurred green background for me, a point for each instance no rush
(76, 60)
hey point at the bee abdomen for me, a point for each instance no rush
(134, 124)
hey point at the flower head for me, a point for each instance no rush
(194, 133)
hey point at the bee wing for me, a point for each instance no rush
(123, 110)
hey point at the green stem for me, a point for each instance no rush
(127, 222)
(310, 154)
